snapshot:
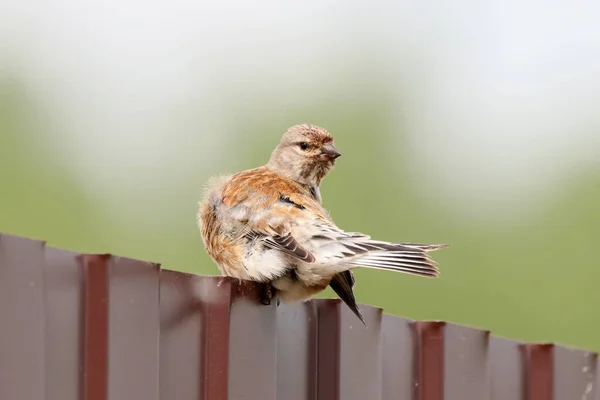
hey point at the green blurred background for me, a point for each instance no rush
(474, 127)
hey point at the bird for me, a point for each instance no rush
(268, 225)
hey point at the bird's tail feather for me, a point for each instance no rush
(410, 258)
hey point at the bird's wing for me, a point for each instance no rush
(267, 206)
(289, 245)
(280, 212)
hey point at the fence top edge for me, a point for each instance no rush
(20, 238)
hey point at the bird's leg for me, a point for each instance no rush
(267, 293)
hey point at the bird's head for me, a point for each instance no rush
(305, 154)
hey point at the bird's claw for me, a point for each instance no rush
(267, 294)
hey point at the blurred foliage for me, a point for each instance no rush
(534, 279)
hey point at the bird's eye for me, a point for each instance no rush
(304, 145)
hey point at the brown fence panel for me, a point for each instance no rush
(98, 327)
(575, 374)
(22, 331)
(398, 358)
(348, 349)
(181, 351)
(95, 326)
(121, 328)
(252, 345)
(297, 351)
(466, 373)
(429, 361)
(64, 321)
(507, 370)
(539, 371)
(133, 334)
(597, 384)
(434, 361)
(216, 297)
(217, 340)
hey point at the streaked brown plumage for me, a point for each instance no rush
(267, 224)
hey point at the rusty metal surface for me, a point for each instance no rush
(100, 327)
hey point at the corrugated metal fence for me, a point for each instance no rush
(98, 327)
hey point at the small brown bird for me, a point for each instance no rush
(267, 225)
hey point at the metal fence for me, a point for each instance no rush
(98, 327)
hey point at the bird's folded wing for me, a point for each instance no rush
(267, 207)
(289, 245)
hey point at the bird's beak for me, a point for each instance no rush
(330, 151)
